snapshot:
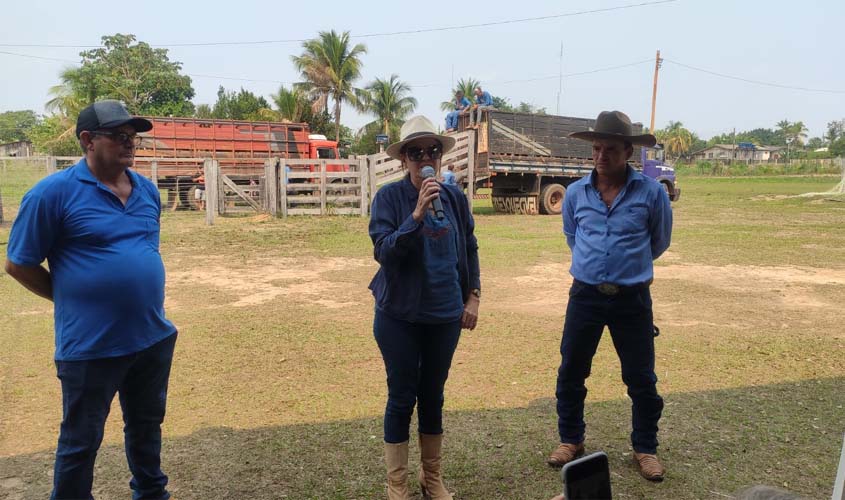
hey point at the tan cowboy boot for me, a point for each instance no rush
(565, 453)
(649, 466)
(431, 479)
(396, 458)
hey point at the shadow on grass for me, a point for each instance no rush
(714, 443)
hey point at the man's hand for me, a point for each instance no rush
(470, 317)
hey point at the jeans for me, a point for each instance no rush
(88, 388)
(475, 115)
(629, 318)
(417, 358)
(452, 120)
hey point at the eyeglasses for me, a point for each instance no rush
(416, 153)
(121, 137)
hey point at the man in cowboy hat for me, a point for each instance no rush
(97, 225)
(616, 222)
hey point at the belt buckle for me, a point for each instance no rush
(608, 288)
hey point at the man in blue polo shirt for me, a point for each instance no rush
(97, 225)
(483, 102)
(617, 222)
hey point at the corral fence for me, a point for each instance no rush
(280, 186)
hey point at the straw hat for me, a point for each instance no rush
(414, 128)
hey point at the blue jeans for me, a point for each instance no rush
(417, 358)
(88, 388)
(629, 318)
(452, 120)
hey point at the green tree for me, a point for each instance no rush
(329, 66)
(14, 125)
(835, 130)
(291, 105)
(241, 105)
(525, 107)
(203, 111)
(142, 77)
(53, 137)
(502, 104)
(389, 101)
(676, 139)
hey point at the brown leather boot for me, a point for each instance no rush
(431, 479)
(565, 453)
(396, 458)
(649, 466)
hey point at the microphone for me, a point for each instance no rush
(426, 172)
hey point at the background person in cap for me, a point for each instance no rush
(426, 290)
(97, 225)
(616, 222)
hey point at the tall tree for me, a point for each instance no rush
(14, 125)
(676, 139)
(241, 105)
(203, 111)
(835, 130)
(291, 104)
(389, 101)
(329, 66)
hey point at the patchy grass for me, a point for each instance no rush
(278, 387)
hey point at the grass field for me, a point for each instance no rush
(278, 387)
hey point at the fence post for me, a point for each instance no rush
(211, 193)
(283, 189)
(271, 185)
(323, 187)
(51, 165)
(470, 168)
(1, 207)
(154, 174)
(363, 181)
(371, 170)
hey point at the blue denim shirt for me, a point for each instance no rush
(463, 105)
(617, 244)
(398, 247)
(485, 99)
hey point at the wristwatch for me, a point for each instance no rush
(476, 292)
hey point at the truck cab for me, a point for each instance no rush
(657, 168)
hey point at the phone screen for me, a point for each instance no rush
(587, 478)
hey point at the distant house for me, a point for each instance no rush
(19, 149)
(744, 151)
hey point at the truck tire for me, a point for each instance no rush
(551, 199)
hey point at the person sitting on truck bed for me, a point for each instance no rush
(483, 102)
(462, 104)
(616, 222)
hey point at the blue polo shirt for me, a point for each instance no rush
(485, 99)
(108, 276)
(617, 244)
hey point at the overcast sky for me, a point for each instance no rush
(792, 44)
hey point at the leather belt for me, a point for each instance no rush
(612, 289)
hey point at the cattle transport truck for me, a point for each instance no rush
(178, 146)
(529, 160)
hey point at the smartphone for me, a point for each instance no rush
(587, 478)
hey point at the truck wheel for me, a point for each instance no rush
(667, 189)
(551, 199)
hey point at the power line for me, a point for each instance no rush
(756, 82)
(567, 75)
(370, 35)
(38, 57)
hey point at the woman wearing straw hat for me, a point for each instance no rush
(426, 290)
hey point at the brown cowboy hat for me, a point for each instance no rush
(615, 125)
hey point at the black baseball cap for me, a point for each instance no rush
(109, 114)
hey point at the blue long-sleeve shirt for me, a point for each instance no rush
(398, 247)
(485, 99)
(617, 244)
(464, 104)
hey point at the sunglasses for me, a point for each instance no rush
(416, 153)
(121, 137)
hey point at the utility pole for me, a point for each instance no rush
(560, 79)
(657, 62)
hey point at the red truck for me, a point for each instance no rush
(178, 146)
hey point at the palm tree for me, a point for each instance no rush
(291, 105)
(388, 101)
(467, 86)
(675, 138)
(329, 66)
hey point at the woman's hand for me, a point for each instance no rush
(470, 316)
(429, 190)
